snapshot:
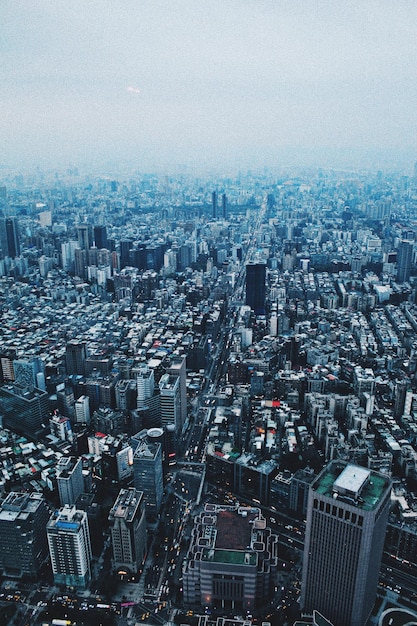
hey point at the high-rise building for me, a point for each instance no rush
(128, 532)
(85, 236)
(232, 559)
(69, 477)
(29, 372)
(214, 204)
(255, 287)
(100, 237)
(69, 547)
(25, 409)
(75, 357)
(178, 368)
(347, 516)
(23, 543)
(9, 237)
(147, 471)
(82, 410)
(224, 206)
(404, 260)
(170, 398)
(148, 398)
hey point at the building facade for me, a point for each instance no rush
(128, 532)
(147, 471)
(69, 479)
(347, 516)
(23, 543)
(69, 547)
(255, 287)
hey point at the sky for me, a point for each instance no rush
(208, 83)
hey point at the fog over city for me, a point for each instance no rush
(208, 84)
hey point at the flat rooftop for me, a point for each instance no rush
(234, 531)
(371, 488)
(233, 557)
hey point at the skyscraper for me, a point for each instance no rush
(170, 398)
(177, 368)
(147, 471)
(255, 287)
(23, 543)
(100, 237)
(75, 357)
(9, 237)
(128, 532)
(347, 516)
(404, 260)
(224, 206)
(69, 547)
(85, 236)
(214, 204)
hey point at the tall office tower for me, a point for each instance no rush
(100, 237)
(68, 249)
(148, 398)
(75, 357)
(404, 260)
(347, 516)
(80, 263)
(178, 368)
(9, 237)
(147, 472)
(125, 247)
(214, 204)
(85, 236)
(170, 398)
(224, 206)
(25, 409)
(69, 477)
(255, 287)
(70, 547)
(128, 532)
(400, 391)
(82, 410)
(29, 372)
(270, 205)
(23, 543)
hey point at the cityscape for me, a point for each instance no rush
(208, 398)
(208, 313)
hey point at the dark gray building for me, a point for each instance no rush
(23, 543)
(347, 517)
(128, 532)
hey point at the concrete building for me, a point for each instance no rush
(25, 409)
(23, 543)
(347, 516)
(231, 560)
(69, 477)
(170, 399)
(69, 547)
(82, 410)
(147, 471)
(128, 532)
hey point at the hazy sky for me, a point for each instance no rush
(226, 82)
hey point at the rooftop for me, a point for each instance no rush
(234, 557)
(367, 490)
